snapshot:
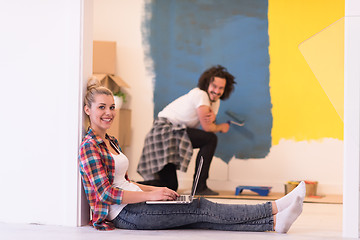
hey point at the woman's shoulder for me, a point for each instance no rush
(90, 140)
(90, 150)
(88, 146)
(89, 136)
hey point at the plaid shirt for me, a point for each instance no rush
(165, 143)
(97, 168)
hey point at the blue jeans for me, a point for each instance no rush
(200, 214)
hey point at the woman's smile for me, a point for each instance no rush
(101, 113)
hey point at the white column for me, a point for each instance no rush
(86, 65)
(351, 214)
(42, 73)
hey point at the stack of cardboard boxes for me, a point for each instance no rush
(104, 63)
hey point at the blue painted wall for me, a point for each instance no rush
(185, 37)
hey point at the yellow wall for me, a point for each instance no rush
(302, 110)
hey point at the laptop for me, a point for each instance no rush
(183, 199)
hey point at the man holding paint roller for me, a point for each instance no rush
(168, 146)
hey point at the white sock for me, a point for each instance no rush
(288, 199)
(287, 217)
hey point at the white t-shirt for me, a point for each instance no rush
(121, 166)
(183, 110)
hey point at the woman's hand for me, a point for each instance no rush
(162, 193)
(155, 194)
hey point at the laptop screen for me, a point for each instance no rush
(197, 176)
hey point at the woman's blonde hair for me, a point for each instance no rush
(94, 88)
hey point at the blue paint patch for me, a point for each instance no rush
(185, 37)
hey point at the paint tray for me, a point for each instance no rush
(261, 190)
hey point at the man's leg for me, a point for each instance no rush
(168, 176)
(206, 142)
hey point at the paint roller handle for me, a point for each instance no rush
(235, 123)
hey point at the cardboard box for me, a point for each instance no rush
(104, 64)
(104, 56)
(112, 82)
(121, 127)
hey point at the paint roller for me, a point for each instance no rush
(239, 121)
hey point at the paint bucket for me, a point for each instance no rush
(290, 185)
(311, 187)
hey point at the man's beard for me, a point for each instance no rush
(213, 93)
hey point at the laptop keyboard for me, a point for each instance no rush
(181, 198)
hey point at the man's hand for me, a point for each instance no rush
(207, 120)
(224, 127)
(210, 117)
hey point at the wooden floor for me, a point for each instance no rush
(247, 194)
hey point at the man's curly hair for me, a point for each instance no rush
(217, 71)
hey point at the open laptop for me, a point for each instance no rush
(183, 199)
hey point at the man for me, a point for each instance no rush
(168, 146)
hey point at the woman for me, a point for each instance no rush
(116, 201)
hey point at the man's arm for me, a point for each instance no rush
(207, 120)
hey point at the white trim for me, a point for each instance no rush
(351, 181)
(86, 40)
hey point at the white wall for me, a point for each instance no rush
(120, 21)
(40, 65)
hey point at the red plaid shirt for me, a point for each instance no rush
(97, 169)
